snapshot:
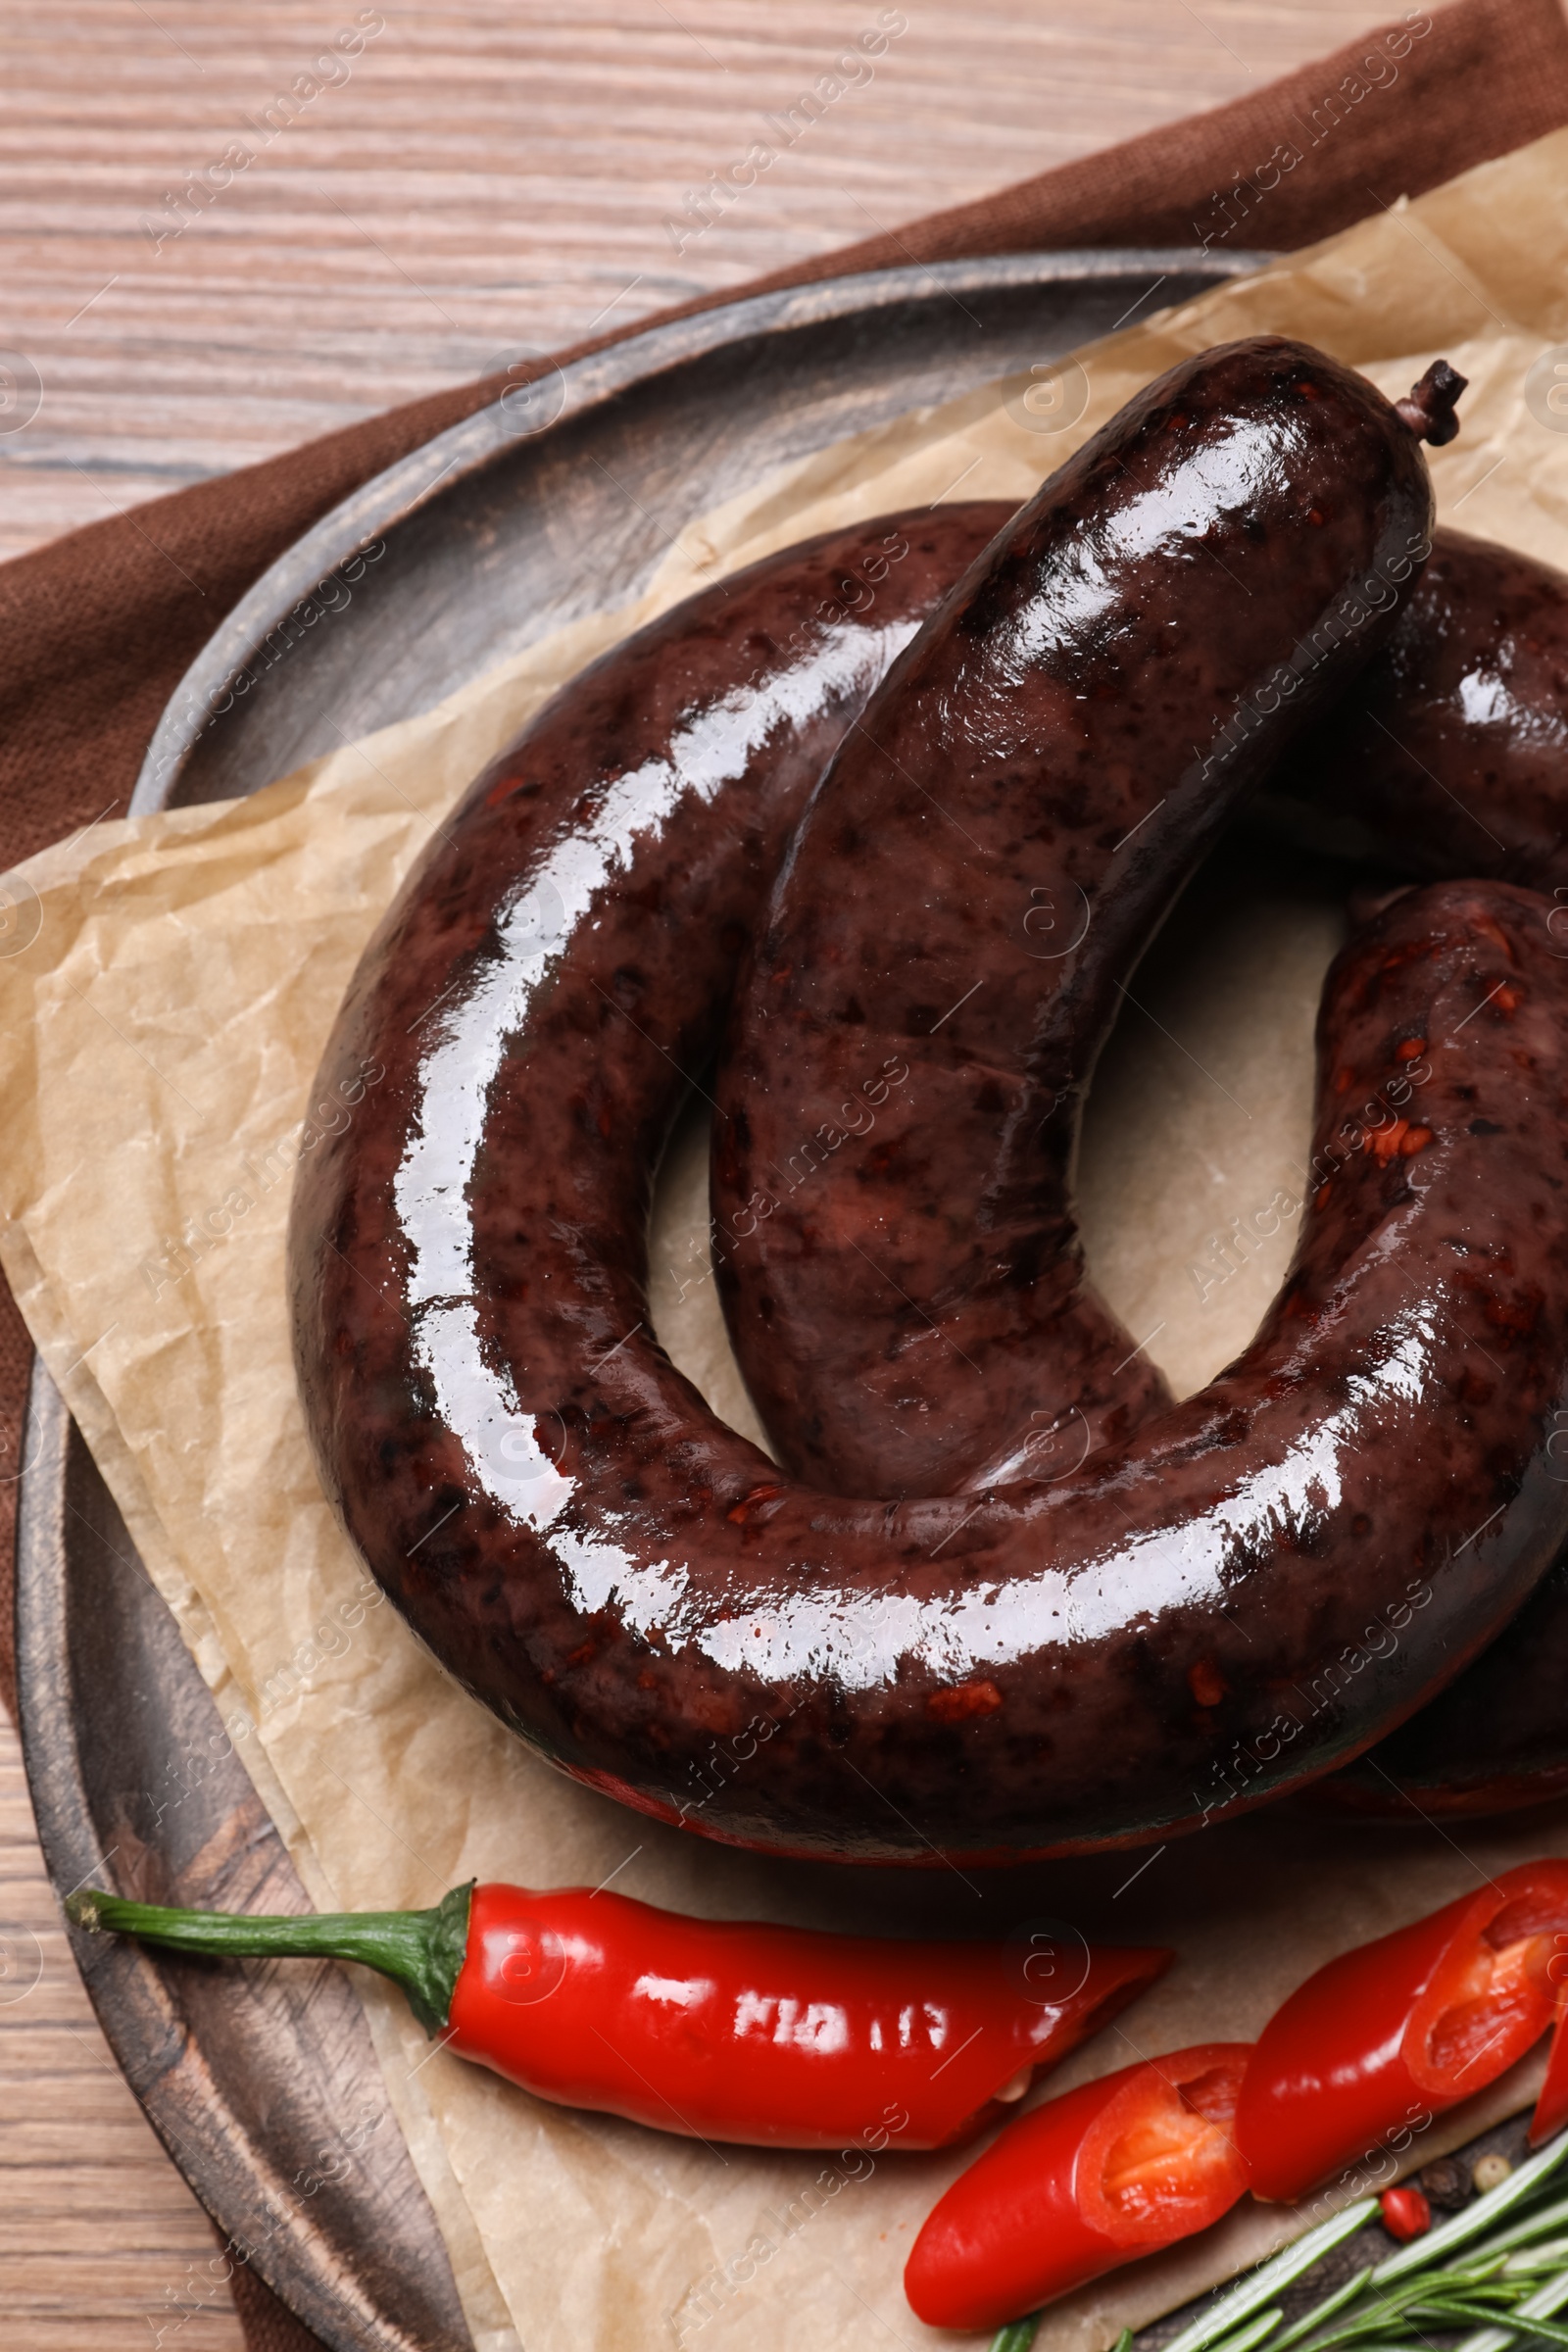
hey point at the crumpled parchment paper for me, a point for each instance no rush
(166, 989)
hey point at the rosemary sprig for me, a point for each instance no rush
(1255, 2332)
(1553, 2256)
(1260, 2286)
(1539, 2223)
(1534, 2310)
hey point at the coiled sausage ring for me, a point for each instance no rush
(975, 1662)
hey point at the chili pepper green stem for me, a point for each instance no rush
(421, 1950)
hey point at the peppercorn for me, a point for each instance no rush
(1405, 2212)
(1446, 2183)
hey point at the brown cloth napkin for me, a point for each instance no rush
(97, 628)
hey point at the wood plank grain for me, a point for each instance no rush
(102, 2243)
(491, 175)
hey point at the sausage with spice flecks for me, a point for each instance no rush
(1039, 1666)
(1450, 753)
(991, 851)
(1451, 748)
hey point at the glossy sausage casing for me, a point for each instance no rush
(992, 850)
(1494, 1739)
(1450, 757)
(1041, 1665)
(1450, 753)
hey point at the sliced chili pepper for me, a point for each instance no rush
(1116, 2169)
(1393, 2033)
(1552, 2108)
(713, 2028)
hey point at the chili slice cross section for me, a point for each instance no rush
(1401, 2029)
(1115, 2169)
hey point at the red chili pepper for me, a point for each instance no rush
(1114, 2170)
(1405, 2212)
(712, 2029)
(1552, 2108)
(1373, 2045)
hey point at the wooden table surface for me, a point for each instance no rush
(483, 178)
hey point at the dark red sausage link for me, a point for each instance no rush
(1494, 1741)
(1042, 1666)
(1452, 750)
(1453, 747)
(994, 846)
